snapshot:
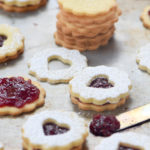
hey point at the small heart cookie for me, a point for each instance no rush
(59, 130)
(38, 65)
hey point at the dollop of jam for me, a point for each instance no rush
(2, 39)
(121, 147)
(104, 125)
(53, 129)
(17, 92)
(100, 83)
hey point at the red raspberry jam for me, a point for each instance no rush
(104, 125)
(2, 39)
(149, 12)
(100, 83)
(127, 148)
(17, 92)
(53, 129)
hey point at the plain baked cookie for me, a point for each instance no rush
(143, 58)
(87, 7)
(145, 17)
(125, 141)
(19, 95)
(21, 5)
(52, 130)
(38, 65)
(99, 88)
(11, 42)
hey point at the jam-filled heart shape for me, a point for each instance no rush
(121, 147)
(50, 128)
(100, 82)
(2, 39)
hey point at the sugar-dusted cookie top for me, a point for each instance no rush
(125, 141)
(143, 58)
(11, 42)
(60, 130)
(100, 85)
(87, 7)
(38, 65)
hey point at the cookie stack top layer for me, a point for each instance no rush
(87, 7)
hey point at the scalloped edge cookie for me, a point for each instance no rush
(13, 111)
(13, 46)
(15, 8)
(145, 18)
(73, 139)
(130, 139)
(99, 99)
(143, 58)
(38, 65)
(87, 7)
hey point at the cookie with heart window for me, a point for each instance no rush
(21, 6)
(100, 88)
(19, 95)
(125, 141)
(61, 130)
(11, 42)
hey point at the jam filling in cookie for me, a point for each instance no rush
(100, 83)
(121, 147)
(149, 12)
(53, 129)
(2, 39)
(17, 92)
(104, 125)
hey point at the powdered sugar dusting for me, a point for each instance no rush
(38, 65)
(80, 89)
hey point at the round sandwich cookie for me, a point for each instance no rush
(100, 88)
(50, 130)
(125, 141)
(38, 65)
(19, 95)
(11, 42)
(21, 5)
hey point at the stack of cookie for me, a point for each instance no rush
(86, 24)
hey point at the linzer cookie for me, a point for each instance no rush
(99, 88)
(38, 65)
(143, 59)
(11, 43)
(21, 5)
(145, 17)
(19, 95)
(125, 141)
(54, 130)
(91, 22)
